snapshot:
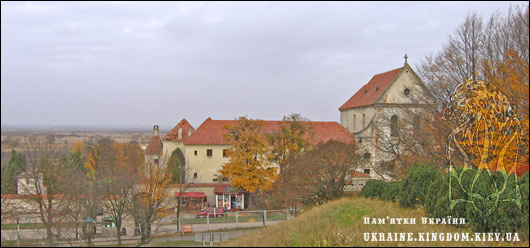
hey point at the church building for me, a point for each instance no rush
(375, 111)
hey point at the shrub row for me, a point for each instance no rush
(425, 186)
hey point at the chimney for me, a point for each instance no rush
(155, 130)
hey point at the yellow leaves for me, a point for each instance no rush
(78, 147)
(489, 134)
(249, 157)
(153, 188)
(100, 154)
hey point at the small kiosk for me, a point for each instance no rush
(228, 197)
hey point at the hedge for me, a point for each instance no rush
(425, 186)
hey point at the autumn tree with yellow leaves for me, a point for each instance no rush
(150, 199)
(250, 159)
(495, 50)
(291, 138)
(489, 134)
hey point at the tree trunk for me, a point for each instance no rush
(179, 209)
(49, 235)
(118, 231)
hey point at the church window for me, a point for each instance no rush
(394, 125)
(354, 122)
(364, 120)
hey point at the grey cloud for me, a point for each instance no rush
(156, 63)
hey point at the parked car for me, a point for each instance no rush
(211, 212)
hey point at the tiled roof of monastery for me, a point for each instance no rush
(211, 133)
(357, 174)
(155, 146)
(173, 134)
(371, 91)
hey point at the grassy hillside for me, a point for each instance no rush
(340, 223)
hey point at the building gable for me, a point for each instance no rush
(180, 132)
(405, 88)
(370, 92)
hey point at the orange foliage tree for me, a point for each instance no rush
(489, 134)
(150, 198)
(291, 138)
(249, 167)
(510, 75)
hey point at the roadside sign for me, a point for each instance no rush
(187, 228)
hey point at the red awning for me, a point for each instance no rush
(191, 194)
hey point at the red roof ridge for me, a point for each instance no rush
(370, 92)
(154, 146)
(173, 134)
(211, 132)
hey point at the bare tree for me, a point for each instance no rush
(150, 199)
(496, 51)
(45, 181)
(318, 175)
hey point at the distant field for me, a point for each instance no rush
(13, 138)
(340, 223)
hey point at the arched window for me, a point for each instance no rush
(364, 121)
(354, 122)
(394, 125)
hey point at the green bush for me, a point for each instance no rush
(374, 188)
(425, 186)
(523, 230)
(392, 191)
(415, 184)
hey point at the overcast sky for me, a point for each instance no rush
(146, 63)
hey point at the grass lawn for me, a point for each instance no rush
(341, 223)
(23, 226)
(13, 243)
(34, 225)
(172, 243)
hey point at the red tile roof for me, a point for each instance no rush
(226, 188)
(211, 133)
(371, 91)
(173, 134)
(191, 194)
(13, 196)
(155, 146)
(357, 174)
